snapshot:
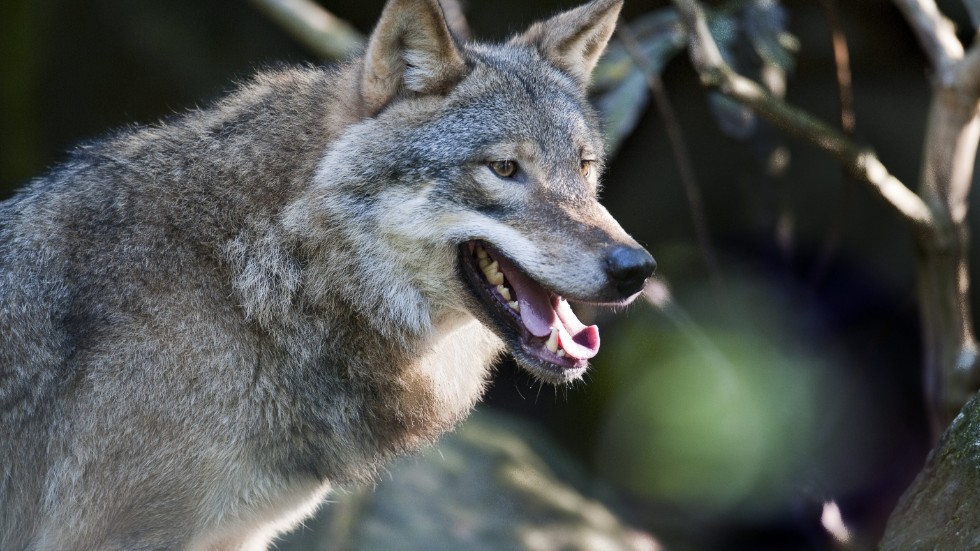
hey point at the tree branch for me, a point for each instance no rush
(935, 33)
(332, 38)
(858, 159)
(682, 157)
(967, 79)
(848, 121)
(322, 32)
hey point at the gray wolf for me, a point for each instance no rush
(208, 322)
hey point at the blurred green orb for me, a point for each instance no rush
(720, 427)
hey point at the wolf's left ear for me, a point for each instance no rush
(574, 40)
(410, 49)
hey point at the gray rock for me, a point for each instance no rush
(941, 510)
(493, 484)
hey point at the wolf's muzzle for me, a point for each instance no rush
(628, 268)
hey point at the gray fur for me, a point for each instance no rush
(209, 321)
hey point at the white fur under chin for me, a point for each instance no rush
(457, 366)
(271, 516)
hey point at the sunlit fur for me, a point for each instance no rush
(209, 322)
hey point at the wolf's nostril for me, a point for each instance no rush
(629, 268)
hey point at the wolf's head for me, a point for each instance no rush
(474, 169)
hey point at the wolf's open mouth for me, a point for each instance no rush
(543, 332)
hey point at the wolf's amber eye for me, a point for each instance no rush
(504, 169)
(587, 168)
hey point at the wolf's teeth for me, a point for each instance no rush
(561, 352)
(515, 306)
(504, 292)
(481, 253)
(484, 262)
(552, 344)
(496, 278)
(491, 268)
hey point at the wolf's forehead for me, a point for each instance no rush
(525, 94)
(521, 69)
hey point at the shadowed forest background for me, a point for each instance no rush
(785, 371)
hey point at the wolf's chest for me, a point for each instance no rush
(456, 369)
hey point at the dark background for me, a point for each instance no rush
(826, 401)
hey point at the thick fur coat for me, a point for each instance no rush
(209, 321)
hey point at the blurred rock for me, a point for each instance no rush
(941, 510)
(493, 484)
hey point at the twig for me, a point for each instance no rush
(329, 36)
(682, 157)
(967, 79)
(325, 34)
(935, 33)
(858, 159)
(848, 121)
(842, 63)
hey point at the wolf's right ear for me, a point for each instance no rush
(410, 49)
(574, 40)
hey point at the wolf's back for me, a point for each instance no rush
(113, 285)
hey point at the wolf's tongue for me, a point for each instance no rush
(579, 341)
(540, 311)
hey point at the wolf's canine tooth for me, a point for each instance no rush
(552, 344)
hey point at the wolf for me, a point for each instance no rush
(209, 322)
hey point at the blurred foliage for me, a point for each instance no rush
(752, 36)
(619, 86)
(729, 419)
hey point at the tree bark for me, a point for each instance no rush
(949, 345)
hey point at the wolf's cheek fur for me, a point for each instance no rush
(419, 234)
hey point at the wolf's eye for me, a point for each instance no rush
(587, 167)
(504, 169)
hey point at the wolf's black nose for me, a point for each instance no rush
(629, 268)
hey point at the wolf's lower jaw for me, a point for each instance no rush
(538, 326)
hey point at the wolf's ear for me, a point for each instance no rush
(574, 40)
(410, 49)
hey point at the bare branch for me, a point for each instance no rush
(842, 62)
(848, 121)
(935, 33)
(967, 79)
(859, 160)
(325, 34)
(329, 36)
(682, 157)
